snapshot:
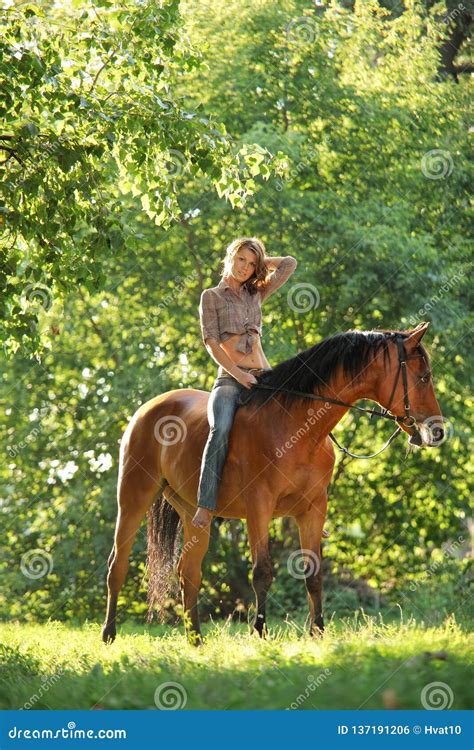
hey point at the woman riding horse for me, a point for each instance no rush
(230, 315)
(259, 481)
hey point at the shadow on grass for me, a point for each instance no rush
(366, 666)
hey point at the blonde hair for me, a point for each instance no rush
(258, 279)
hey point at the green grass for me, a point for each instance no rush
(358, 664)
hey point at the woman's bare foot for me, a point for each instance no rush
(202, 518)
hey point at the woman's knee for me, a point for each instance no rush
(222, 406)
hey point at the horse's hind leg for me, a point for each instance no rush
(195, 544)
(133, 505)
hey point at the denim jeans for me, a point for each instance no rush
(221, 408)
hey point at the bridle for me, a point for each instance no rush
(408, 420)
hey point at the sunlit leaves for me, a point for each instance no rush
(91, 115)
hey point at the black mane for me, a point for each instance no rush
(311, 370)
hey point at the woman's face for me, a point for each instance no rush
(244, 264)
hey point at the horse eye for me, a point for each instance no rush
(425, 379)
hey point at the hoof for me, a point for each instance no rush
(108, 633)
(260, 626)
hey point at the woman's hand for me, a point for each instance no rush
(247, 379)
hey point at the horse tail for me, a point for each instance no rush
(163, 527)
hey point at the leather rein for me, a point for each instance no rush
(408, 419)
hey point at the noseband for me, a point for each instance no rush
(408, 420)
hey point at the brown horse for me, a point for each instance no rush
(279, 462)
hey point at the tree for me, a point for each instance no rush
(90, 116)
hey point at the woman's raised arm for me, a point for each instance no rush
(284, 267)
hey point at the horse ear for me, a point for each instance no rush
(416, 334)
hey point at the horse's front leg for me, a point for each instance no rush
(310, 525)
(258, 520)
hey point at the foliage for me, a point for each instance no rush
(373, 204)
(91, 116)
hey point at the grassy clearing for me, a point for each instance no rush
(366, 664)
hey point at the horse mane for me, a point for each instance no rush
(311, 370)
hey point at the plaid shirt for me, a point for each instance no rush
(223, 312)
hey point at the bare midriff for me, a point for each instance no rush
(255, 358)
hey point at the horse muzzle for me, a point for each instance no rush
(416, 436)
(425, 435)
